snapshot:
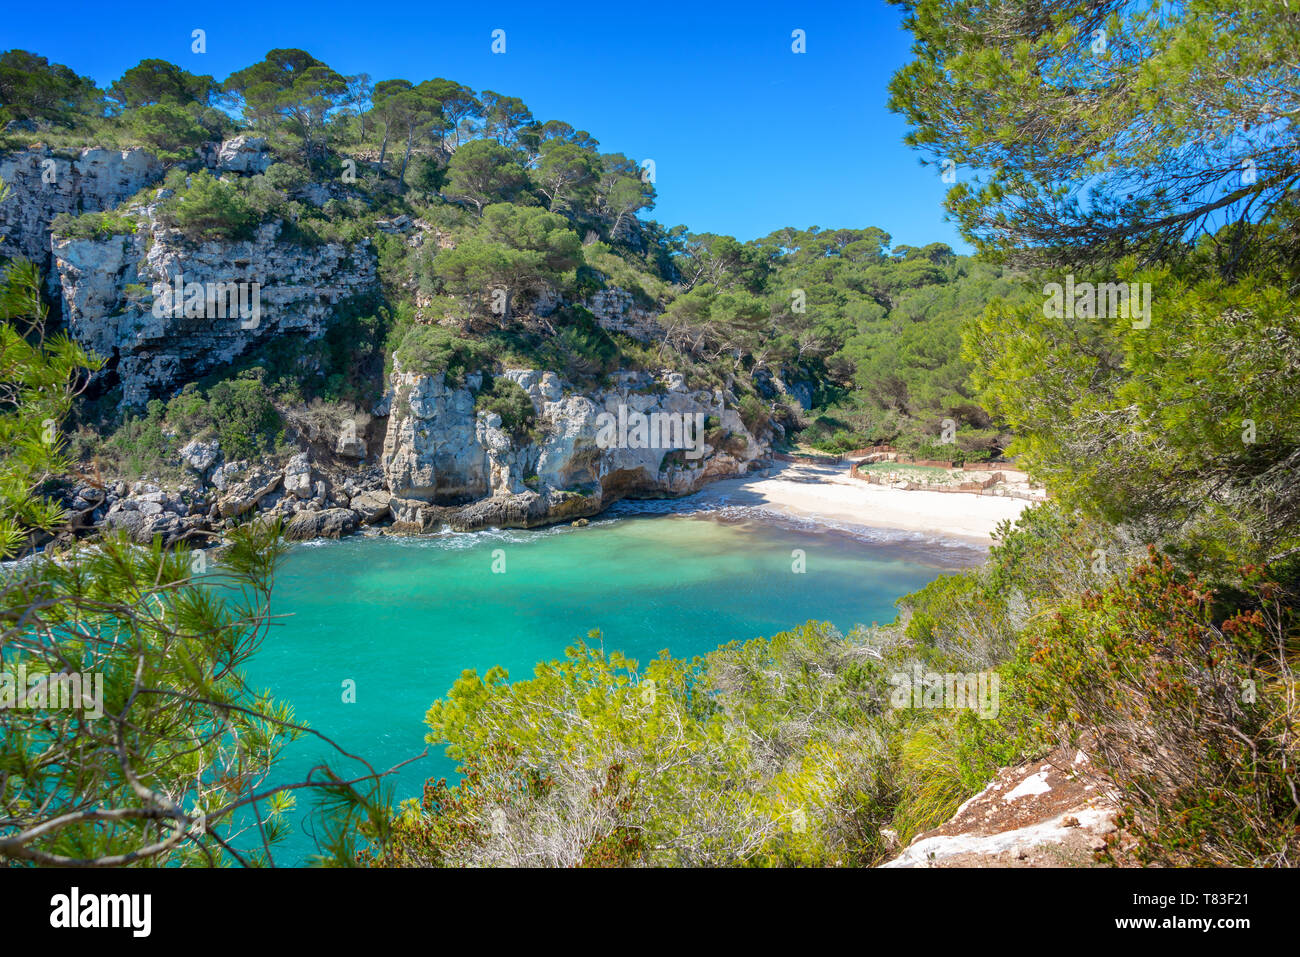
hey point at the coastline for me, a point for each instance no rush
(801, 493)
(822, 493)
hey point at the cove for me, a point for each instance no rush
(402, 617)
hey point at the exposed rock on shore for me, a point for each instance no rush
(440, 453)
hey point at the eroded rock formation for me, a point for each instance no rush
(440, 453)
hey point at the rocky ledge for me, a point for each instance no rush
(1046, 813)
(446, 464)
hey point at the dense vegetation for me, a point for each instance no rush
(1148, 613)
(845, 340)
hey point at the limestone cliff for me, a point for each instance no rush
(445, 462)
(44, 184)
(144, 300)
(298, 288)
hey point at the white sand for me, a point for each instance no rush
(828, 493)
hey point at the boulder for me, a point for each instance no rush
(323, 523)
(350, 447)
(242, 496)
(371, 506)
(242, 154)
(201, 456)
(525, 510)
(298, 476)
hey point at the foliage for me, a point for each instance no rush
(483, 172)
(516, 250)
(1104, 129)
(92, 225)
(506, 398)
(290, 87)
(1188, 427)
(33, 88)
(170, 132)
(152, 82)
(238, 411)
(208, 208)
(1188, 703)
(38, 382)
(431, 350)
(596, 762)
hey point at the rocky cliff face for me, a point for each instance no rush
(45, 184)
(296, 289)
(440, 453)
(107, 283)
(165, 310)
(615, 310)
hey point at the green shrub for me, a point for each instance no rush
(430, 350)
(755, 414)
(168, 131)
(139, 445)
(92, 225)
(237, 411)
(580, 349)
(1191, 703)
(244, 418)
(507, 399)
(210, 209)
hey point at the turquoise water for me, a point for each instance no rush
(402, 617)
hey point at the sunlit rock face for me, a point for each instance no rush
(44, 184)
(264, 287)
(446, 462)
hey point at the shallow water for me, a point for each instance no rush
(402, 617)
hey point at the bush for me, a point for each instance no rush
(92, 225)
(431, 350)
(246, 422)
(210, 209)
(580, 349)
(139, 445)
(169, 131)
(1191, 707)
(507, 399)
(755, 414)
(285, 177)
(237, 411)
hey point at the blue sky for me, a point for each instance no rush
(746, 135)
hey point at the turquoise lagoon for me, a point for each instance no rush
(402, 617)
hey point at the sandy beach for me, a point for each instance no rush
(828, 493)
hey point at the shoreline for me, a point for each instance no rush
(826, 494)
(803, 493)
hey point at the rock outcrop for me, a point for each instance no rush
(248, 155)
(44, 184)
(109, 303)
(444, 461)
(1045, 813)
(616, 310)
